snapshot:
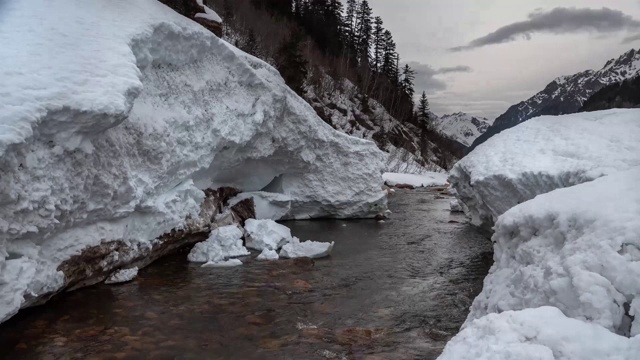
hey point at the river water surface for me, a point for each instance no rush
(393, 290)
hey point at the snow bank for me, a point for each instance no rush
(266, 234)
(538, 334)
(544, 154)
(268, 254)
(223, 242)
(576, 248)
(115, 139)
(425, 179)
(122, 275)
(313, 249)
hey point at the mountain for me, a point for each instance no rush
(625, 94)
(566, 94)
(462, 127)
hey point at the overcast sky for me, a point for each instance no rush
(481, 56)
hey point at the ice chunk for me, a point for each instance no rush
(544, 154)
(455, 206)
(223, 263)
(122, 275)
(422, 180)
(312, 249)
(266, 234)
(223, 242)
(575, 248)
(268, 254)
(543, 333)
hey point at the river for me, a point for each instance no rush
(393, 290)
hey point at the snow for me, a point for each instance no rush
(544, 154)
(455, 206)
(223, 242)
(266, 234)
(425, 179)
(122, 275)
(268, 254)
(208, 13)
(271, 206)
(223, 263)
(575, 248)
(116, 139)
(312, 249)
(462, 127)
(538, 334)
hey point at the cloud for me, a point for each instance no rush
(426, 76)
(559, 20)
(630, 39)
(454, 69)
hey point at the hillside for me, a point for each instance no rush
(566, 94)
(625, 94)
(353, 94)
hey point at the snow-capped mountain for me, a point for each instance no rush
(462, 127)
(566, 94)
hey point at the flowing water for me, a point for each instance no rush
(393, 290)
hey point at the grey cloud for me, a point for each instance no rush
(425, 78)
(630, 39)
(559, 20)
(454, 69)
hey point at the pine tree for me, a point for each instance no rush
(349, 22)
(408, 75)
(363, 30)
(291, 63)
(389, 65)
(423, 120)
(378, 44)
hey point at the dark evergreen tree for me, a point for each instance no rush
(378, 44)
(423, 120)
(350, 23)
(364, 29)
(389, 65)
(408, 76)
(291, 63)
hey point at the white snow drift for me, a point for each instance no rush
(115, 115)
(416, 180)
(544, 154)
(538, 334)
(576, 248)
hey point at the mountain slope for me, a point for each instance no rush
(566, 94)
(462, 127)
(625, 94)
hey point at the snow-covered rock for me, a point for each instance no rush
(312, 249)
(266, 234)
(576, 248)
(208, 13)
(543, 333)
(422, 180)
(122, 275)
(223, 263)
(462, 127)
(109, 144)
(268, 254)
(544, 154)
(223, 242)
(270, 206)
(454, 206)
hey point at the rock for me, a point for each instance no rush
(301, 284)
(405, 186)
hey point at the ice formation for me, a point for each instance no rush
(224, 242)
(312, 249)
(105, 146)
(268, 254)
(122, 275)
(266, 234)
(544, 154)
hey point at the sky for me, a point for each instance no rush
(482, 56)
